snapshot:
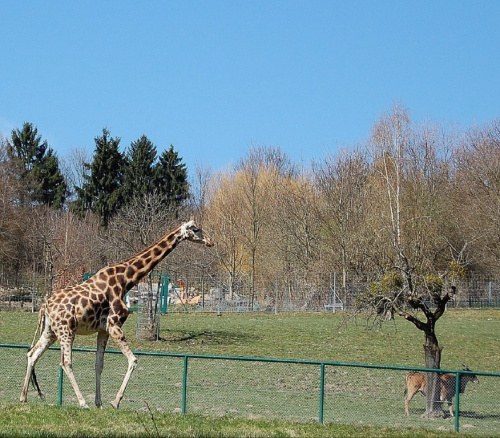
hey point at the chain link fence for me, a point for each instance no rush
(253, 388)
(291, 294)
(298, 294)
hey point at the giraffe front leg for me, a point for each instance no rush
(102, 340)
(67, 366)
(119, 338)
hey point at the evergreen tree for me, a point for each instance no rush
(171, 179)
(36, 167)
(51, 188)
(139, 169)
(102, 192)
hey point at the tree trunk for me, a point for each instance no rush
(432, 350)
(433, 406)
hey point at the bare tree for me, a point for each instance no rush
(138, 224)
(199, 189)
(12, 223)
(407, 167)
(74, 167)
(254, 206)
(476, 199)
(223, 219)
(342, 184)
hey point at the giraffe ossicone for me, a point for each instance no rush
(97, 306)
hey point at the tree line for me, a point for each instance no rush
(411, 206)
(44, 198)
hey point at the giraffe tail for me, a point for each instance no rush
(39, 328)
(35, 384)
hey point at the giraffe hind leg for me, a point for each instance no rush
(46, 340)
(102, 339)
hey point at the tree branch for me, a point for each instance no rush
(441, 302)
(419, 324)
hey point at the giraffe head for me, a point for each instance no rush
(191, 231)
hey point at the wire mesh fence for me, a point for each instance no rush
(212, 293)
(254, 388)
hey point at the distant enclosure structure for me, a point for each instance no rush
(161, 293)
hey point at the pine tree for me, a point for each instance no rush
(171, 178)
(139, 169)
(102, 192)
(51, 188)
(36, 167)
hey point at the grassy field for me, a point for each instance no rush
(469, 336)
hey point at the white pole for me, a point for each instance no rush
(334, 291)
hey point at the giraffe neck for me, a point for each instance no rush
(120, 277)
(140, 264)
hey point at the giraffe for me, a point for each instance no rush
(97, 306)
(183, 295)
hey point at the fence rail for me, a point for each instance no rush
(253, 387)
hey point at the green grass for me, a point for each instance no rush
(240, 399)
(469, 336)
(49, 421)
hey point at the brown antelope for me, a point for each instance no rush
(417, 382)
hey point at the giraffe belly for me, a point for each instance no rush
(89, 325)
(85, 329)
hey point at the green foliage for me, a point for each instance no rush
(139, 169)
(36, 166)
(102, 192)
(115, 179)
(378, 291)
(51, 188)
(390, 282)
(171, 178)
(433, 283)
(457, 271)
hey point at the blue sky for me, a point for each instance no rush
(214, 78)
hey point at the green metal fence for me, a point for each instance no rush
(250, 387)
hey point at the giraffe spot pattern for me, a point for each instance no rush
(139, 264)
(101, 285)
(130, 272)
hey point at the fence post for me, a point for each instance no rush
(60, 391)
(184, 385)
(457, 401)
(321, 393)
